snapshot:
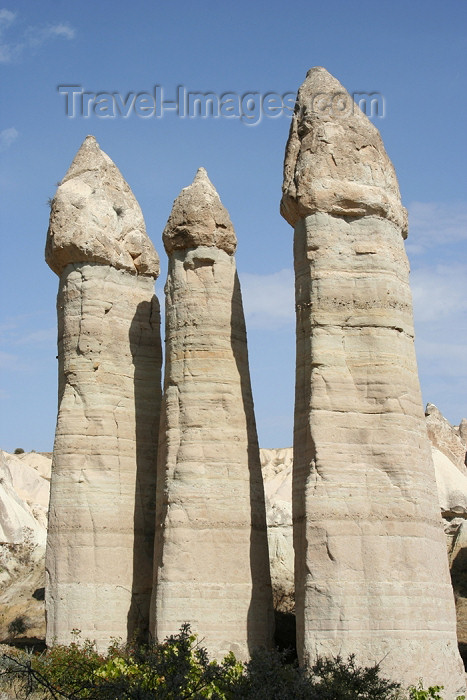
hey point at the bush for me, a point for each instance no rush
(174, 670)
(180, 669)
(267, 677)
(19, 451)
(18, 626)
(418, 692)
(336, 678)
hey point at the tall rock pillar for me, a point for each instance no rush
(372, 575)
(211, 554)
(102, 503)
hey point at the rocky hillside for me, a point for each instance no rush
(449, 457)
(24, 498)
(24, 492)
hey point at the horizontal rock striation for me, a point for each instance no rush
(102, 503)
(211, 550)
(371, 572)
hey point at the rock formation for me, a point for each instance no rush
(450, 441)
(24, 497)
(277, 465)
(101, 517)
(448, 445)
(371, 572)
(211, 553)
(22, 560)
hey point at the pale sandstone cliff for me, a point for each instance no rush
(24, 496)
(211, 550)
(101, 519)
(371, 572)
(23, 565)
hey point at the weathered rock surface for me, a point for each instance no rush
(30, 477)
(211, 549)
(452, 492)
(23, 521)
(26, 575)
(447, 439)
(451, 485)
(39, 461)
(101, 518)
(371, 571)
(95, 218)
(199, 219)
(456, 529)
(277, 467)
(335, 161)
(23, 502)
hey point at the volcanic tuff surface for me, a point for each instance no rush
(101, 521)
(23, 557)
(95, 218)
(371, 574)
(211, 551)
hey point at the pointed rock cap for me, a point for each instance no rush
(198, 217)
(96, 218)
(463, 434)
(335, 160)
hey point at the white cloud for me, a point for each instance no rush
(433, 224)
(439, 293)
(6, 18)
(63, 30)
(37, 36)
(7, 136)
(446, 359)
(268, 300)
(27, 329)
(437, 247)
(45, 335)
(440, 313)
(31, 38)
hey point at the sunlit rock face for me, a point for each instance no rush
(211, 552)
(102, 502)
(371, 572)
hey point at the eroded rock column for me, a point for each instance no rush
(212, 567)
(102, 504)
(371, 570)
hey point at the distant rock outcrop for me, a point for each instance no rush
(449, 452)
(452, 496)
(24, 495)
(277, 476)
(448, 440)
(371, 572)
(211, 550)
(101, 519)
(23, 575)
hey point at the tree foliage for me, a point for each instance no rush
(180, 669)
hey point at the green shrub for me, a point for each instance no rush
(174, 670)
(180, 669)
(344, 679)
(418, 692)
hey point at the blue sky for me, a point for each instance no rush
(414, 54)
